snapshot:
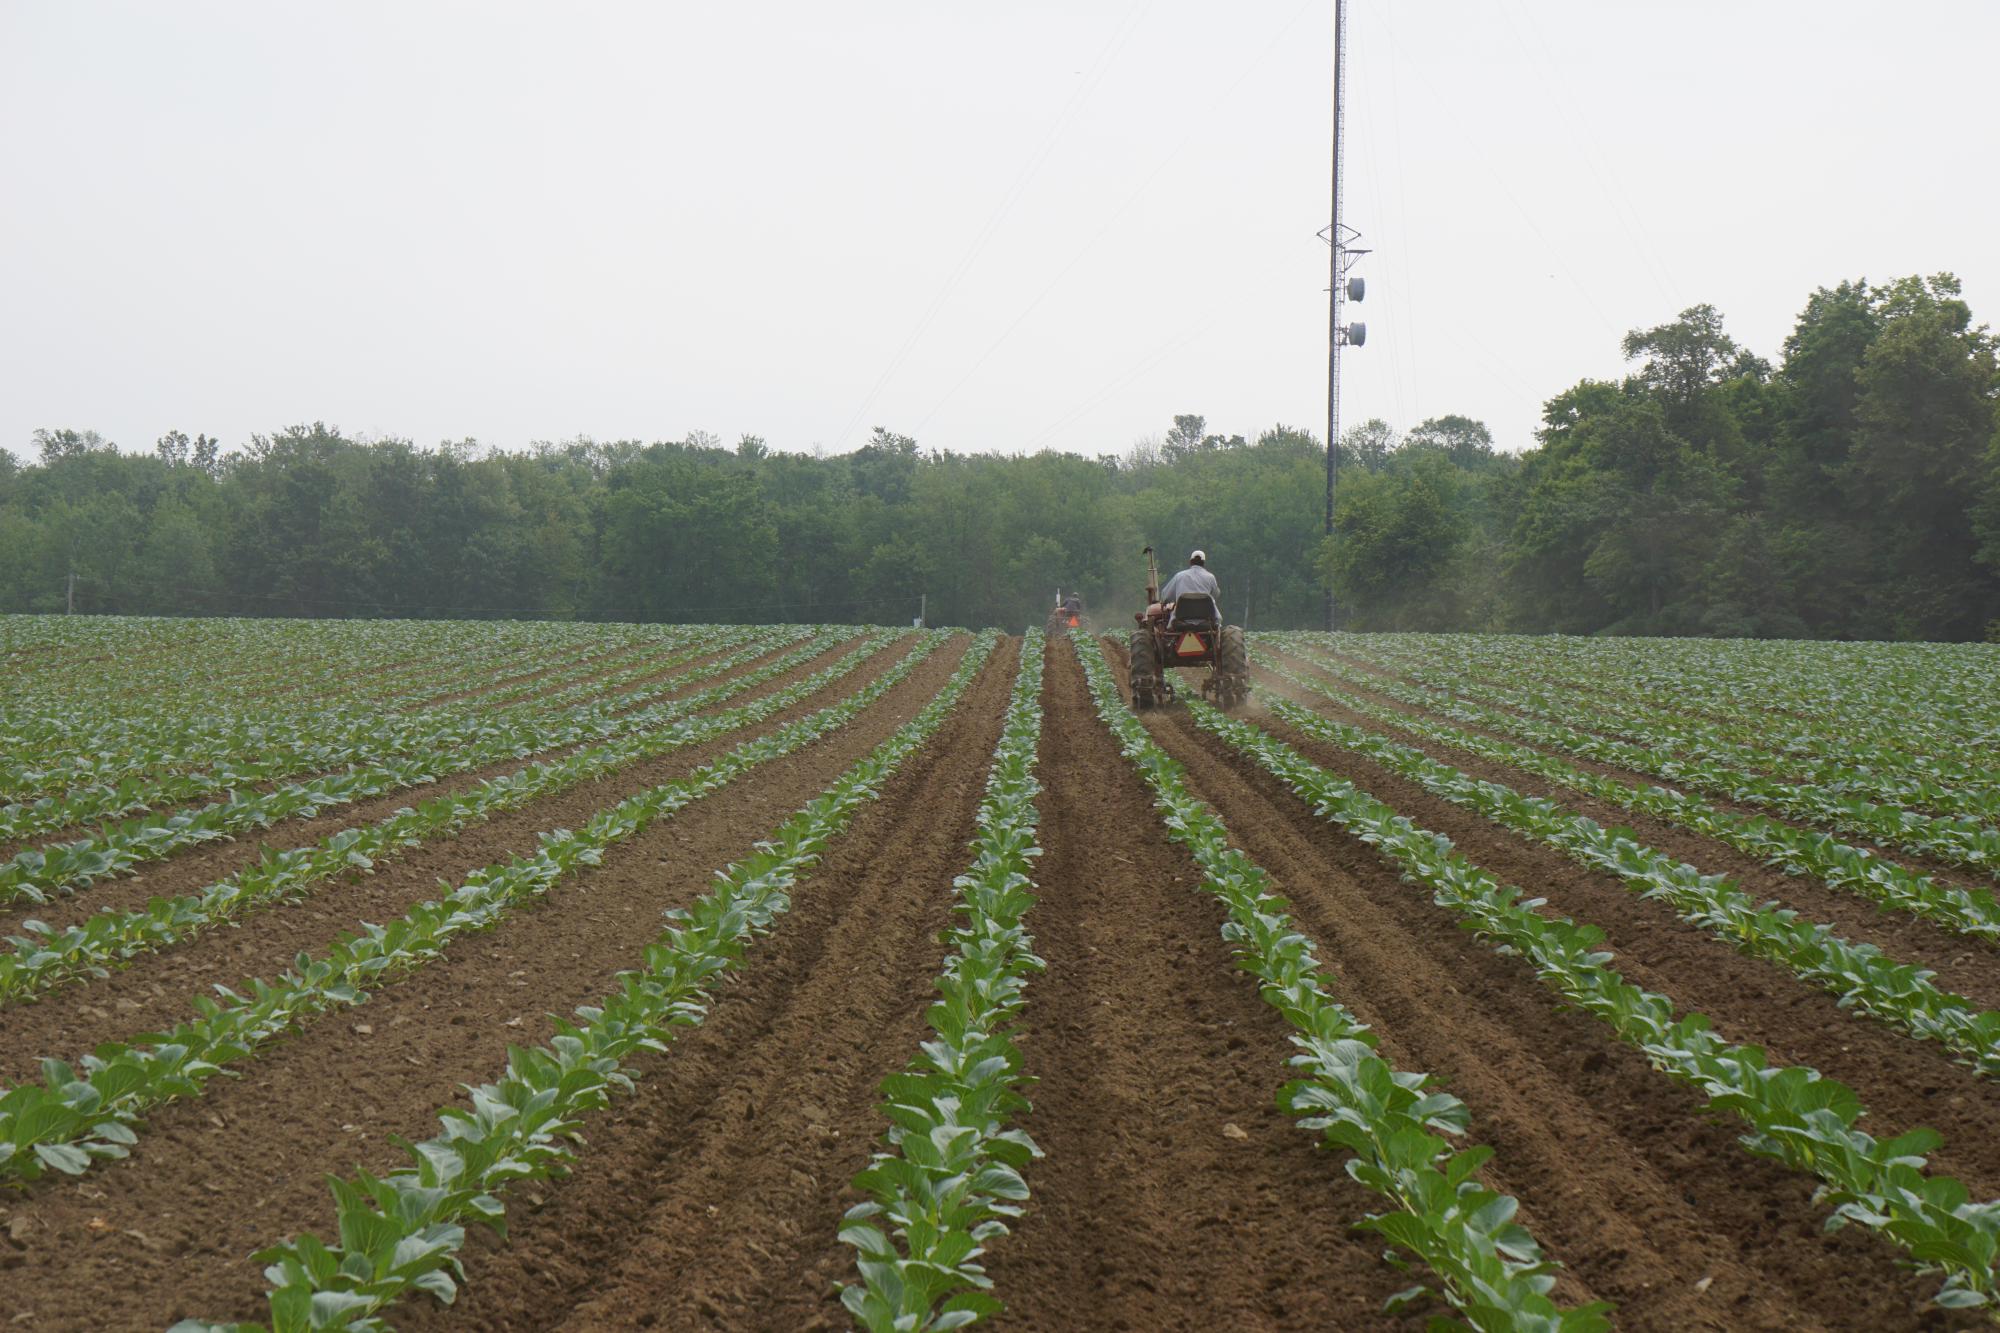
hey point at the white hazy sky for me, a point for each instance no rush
(995, 227)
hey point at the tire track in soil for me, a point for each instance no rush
(1942, 871)
(151, 991)
(1622, 1174)
(169, 1233)
(1903, 1081)
(1964, 964)
(1147, 1044)
(196, 867)
(712, 1198)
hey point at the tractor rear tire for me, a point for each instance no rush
(1232, 666)
(1144, 670)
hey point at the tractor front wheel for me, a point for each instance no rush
(1232, 666)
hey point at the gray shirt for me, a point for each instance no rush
(1195, 578)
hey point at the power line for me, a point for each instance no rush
(1554, 251)
(1112, 218)
(1622, 207)
(1107, 388)
(1062, 123)
(1406, 299)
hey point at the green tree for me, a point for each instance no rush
(1185, 437)
(56, 445)
(1924, 418)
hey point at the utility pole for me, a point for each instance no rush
(1339, 238)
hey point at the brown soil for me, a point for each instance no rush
(1903, 1081)
(717, 1196)
(151, 991)
(1620, 1172)
(1964, 964)
(1174, 1194)
(1148, 1047)
(197, 867)
(214, 1179)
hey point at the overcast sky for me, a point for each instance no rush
(994, 227)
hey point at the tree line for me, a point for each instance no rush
(1852, 490)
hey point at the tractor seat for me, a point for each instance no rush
(1196, 611)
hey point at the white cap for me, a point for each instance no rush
(1198, 557)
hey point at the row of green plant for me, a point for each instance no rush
(161, 726)
(166, 777)
(71, 1118)
(43, 956)
(536, 683)
(1921, 694)
(403, 1232)
(1843, 764)
(414, 686)
(1957, 841)
(1858, 870)
(1866, 979)
(947, 1181)
(597, 682)
(1393, 1123)
(1879, 732)
(204, 687)
(35, 874)
(1795, 1115)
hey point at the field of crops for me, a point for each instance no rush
(453, 975)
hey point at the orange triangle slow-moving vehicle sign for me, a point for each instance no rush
(1190, 646)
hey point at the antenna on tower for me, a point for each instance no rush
(1340, 287)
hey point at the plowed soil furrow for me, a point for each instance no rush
(712, 1198)
(1903, 1081)
(1621, 1173)
(1942, 870)
(214, 1179)
(1174, 1194)
(1969, 966)
(197, 867)
(151, 991)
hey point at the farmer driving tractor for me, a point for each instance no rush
(1195, 578)
(1182, 627)
(1068, 614)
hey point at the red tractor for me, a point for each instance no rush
(1186, 633)
(1067, 616)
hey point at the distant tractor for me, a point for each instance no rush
(1188, 633)
(1067, 615)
